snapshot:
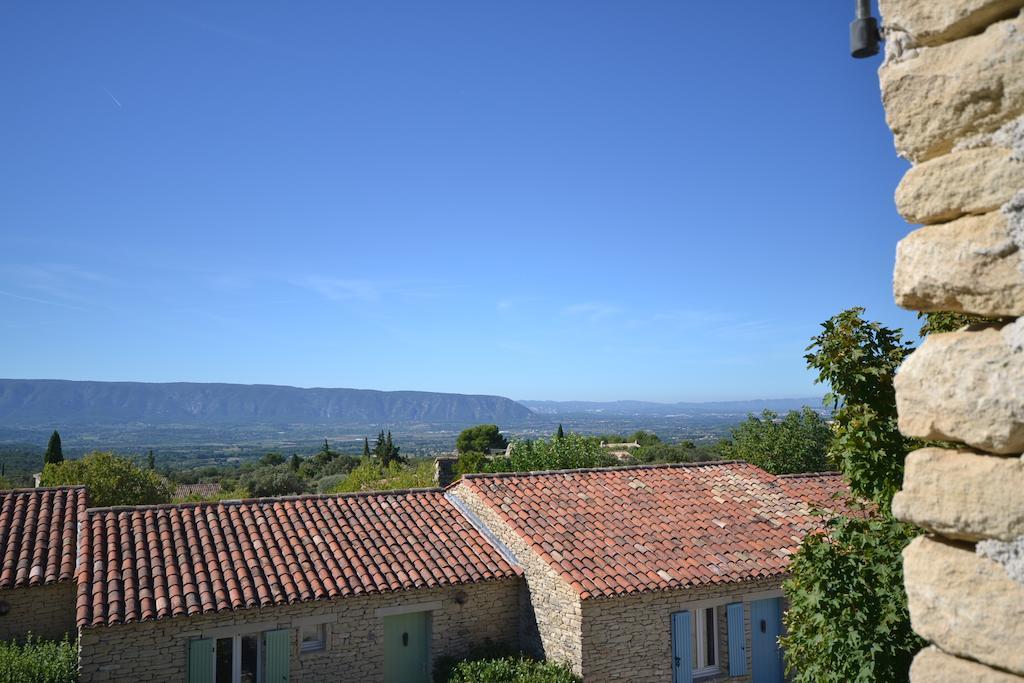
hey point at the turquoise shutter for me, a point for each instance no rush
(737, 640)
(279, 655)
(200, 661)
(682, 648)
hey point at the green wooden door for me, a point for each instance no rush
(278, 646)
(407, 648)
(200, 661)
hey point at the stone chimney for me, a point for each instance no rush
(953, 90)
(444, 470)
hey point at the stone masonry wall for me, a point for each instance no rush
(45, 611)
(550, 611)
(158, 650)
(630, 638)
(953, 89)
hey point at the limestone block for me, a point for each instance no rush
(964, 495)
(966, 386)
(972, 181)
(964, 603)
(939, 21)
(972, 265)
(932, 665)
(959, 89)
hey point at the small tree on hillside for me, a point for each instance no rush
(366, 447)
(479, 439)
(560, 434)
(54, 452)
(150, 460)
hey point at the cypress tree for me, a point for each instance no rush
(366, 447)
(151, 460)
(560, 434)
(54, 452)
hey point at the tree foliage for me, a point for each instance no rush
(370, 475)
(799, 442)
(479, 439)
(858, 360)
(39, 661)
(54, 452)
(385, 450)
(110, 480)
(273, 480)
(571, 451)
(847, 619)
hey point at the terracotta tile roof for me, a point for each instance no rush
(824, 490)
(38, 532)
(204, 490)
(161, 561)
(624, 530)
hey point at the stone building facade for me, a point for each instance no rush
(44, 611)
(617, 639)
(38, 547)
(953, 90)
(460, 617)
(628, 635)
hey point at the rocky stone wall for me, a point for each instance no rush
(630, 638)
(44, 611)
(550, 610)
(953, 90)
(158, 650)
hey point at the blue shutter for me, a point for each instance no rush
(200, 661)
(682, 648)
(278, 646)
(737, 640)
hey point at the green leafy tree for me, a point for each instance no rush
(479, 439)
(644, 438)
(572, 451)
(847, 620)
(799, 442)
(295, 463)
(54, 452)
(277, 480)
(271, 459)
(110, 480)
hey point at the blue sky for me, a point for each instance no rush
(559, 200)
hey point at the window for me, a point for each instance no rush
(238, 658)
(705, 635)
(313, 637)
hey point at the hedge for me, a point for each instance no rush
(38, 661)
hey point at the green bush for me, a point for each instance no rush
(491, 662)
(517, 669)
(110, 479)
(38, 661)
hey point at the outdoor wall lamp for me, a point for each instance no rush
(864, 33)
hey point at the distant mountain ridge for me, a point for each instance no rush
(33, 401)
(664, 409)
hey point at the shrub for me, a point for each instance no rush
(511, 670)
(39, 661)
(110, 480)
(372, 476)
(571, 451)
(498, 663)
(279, 480)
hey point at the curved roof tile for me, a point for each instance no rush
(155, 562)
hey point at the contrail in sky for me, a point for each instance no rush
(113, 98)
